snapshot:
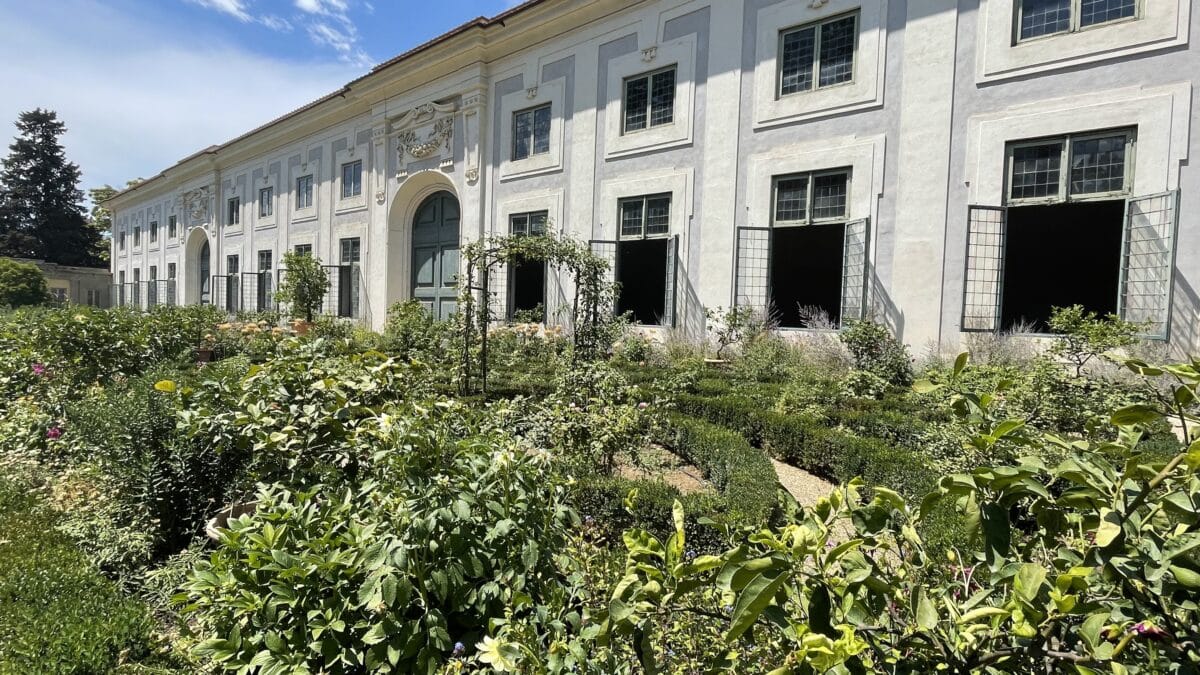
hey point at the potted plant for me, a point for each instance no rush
(303, 287)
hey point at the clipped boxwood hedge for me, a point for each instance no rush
(57, 613)
(600, 501)
(742, 473)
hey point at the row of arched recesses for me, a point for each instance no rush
(424, 234)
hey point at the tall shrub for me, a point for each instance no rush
(304, 285)
(21, 284)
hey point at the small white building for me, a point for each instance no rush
(945, 165)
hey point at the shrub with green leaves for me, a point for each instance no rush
(874, 349)
(1083, 336)
(57, 613)
(304, 284)
(455, 527)
(21, 284)
(412, 332)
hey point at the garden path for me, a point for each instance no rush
(802, 485)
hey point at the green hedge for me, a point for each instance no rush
(601, 503)
(57, 614)
(742, 473)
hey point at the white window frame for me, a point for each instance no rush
(137, 236)
(152, 229)
(233, 211)
(172, 227)
(532, 111)
(358, 182)
(808, 219)
(645, 200)
(682, 54)
(312, 192)
(546, 93)
(266, 202)
(1074, 24)
(528, 217)
(816, 63)
(1064, 175)
(649, 77)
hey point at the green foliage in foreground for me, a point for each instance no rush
(304, 285)
(57, 613)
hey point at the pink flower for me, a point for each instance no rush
(54, 433)
(643, 405)
(39, 369)
(1149, 630)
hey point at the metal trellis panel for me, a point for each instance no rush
(983, 282)
(752, 260)
(854, 270)
(1148, 262)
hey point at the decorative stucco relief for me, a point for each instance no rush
(195, 204)
(425, 131)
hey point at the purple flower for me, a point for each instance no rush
(459, 648)
(39, 369)
(643, 405)
(54, 433)
(589, 521)
(1149, 630)
(690, 555)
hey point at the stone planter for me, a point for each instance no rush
(221, 520)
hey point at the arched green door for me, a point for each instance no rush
(435, 255)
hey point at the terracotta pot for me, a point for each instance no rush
(221, 520)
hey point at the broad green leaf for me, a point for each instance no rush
(1138, 413)
(1109, 529)
(166, 386)
(1030, 578)
(927, 615)
(753, 600)
(981, 613)
(960, 363)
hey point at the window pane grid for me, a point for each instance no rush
(1044, 17)
(791, 200)
(837, 51)
(1098, 165)
(304, 192)
(644, 216)
(662, 98)
(631, 218)
(541, 130)
(658, 215)
(829, 196)
(537, 223)
(351, 179)
(1092, 12)
(636, 97)
(799, 54)
(1036, 171)
(518, 225)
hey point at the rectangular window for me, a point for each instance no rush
(153, 231)
(352, 179)
(121, 240)
(137, 275)
(304, 192)
(527, 278)
(232, 264)
(644, 257)
(531, 132)
(137, 235)
(808, 250)
(817, 55)
(266, 202)
(650, 100)
(154, 273)
(1039, 18)
(1070, 168)
(170, 270)
(303, 249)
(264, 283)
(233, 211)
(172, 227)
(348, 290)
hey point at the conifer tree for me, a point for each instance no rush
(41, 205)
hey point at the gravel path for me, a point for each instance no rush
(804, 486)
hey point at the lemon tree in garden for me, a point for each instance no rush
(304, 284)
(1088, 566)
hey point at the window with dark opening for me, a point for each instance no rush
(808, 246)
(531, 132)
(643, 256)
(527, 278)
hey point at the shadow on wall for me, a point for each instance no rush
(882, 308)
(1185, 319)
(692, 319)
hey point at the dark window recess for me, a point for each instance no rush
(642, 273)
(1061, 255)
(806, 272)
(528, 285)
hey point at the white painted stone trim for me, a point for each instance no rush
(682, 54)
(864, 91)
(1160, 24)
(677, 182)
(1161, 115)
(341, 158)
(550, 201)
(533, 97)
(863, 155)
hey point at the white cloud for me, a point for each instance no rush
(332, 27)
(234, 8)
(134, 106)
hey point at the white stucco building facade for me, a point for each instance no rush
(944, 165)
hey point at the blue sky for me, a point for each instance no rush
(144, 83)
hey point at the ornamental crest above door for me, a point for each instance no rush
(426, 131)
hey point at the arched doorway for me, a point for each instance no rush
(205, 268)
(435, 254)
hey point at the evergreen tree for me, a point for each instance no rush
(41, 206)
(100, 219)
